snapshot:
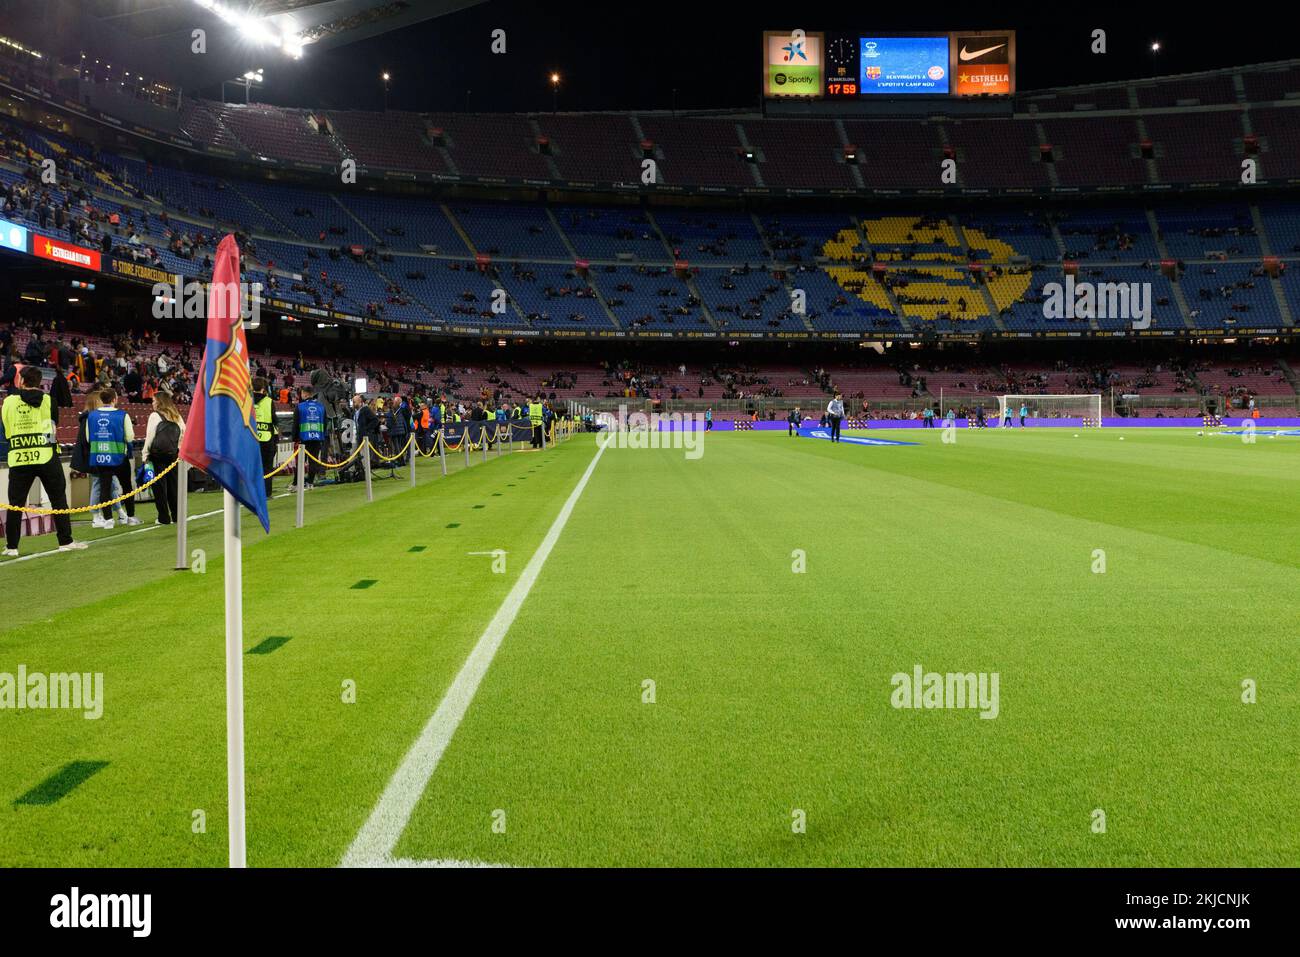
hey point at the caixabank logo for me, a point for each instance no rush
(925, 269)
(793, 63)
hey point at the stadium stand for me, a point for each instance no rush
(435, 264)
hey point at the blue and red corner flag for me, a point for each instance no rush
(221, 433)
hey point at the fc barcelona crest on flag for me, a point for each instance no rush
(232, 377)
(221, 435)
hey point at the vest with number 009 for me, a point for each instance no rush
(535, 413)
(28, 431)
(107, 437)
(311, 421)
(265, 413)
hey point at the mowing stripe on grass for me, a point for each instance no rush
(269, 645)
(374, 843)
(62, 782)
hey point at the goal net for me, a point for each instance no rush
(1084, 407)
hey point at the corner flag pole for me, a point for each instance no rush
(220, 438)
(182, 515)
(234, 566)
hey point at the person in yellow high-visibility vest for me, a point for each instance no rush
(264, 412)
(535, 416)
(28, 420)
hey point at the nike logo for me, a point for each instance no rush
(965, 54)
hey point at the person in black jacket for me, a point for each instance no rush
(398, 420)
(365, 424)
(793, 420)
(36, 353)
(60, 390)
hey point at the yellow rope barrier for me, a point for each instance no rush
(90, 508)
(334, 465)
(501, 432)
(433, 449)
(390, 458)
(281, 467)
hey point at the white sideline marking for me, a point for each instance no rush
(374, 843)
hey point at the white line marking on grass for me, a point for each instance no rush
(374, 843)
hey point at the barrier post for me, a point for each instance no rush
(442, 453)
(182, 515)
(464, 440)
(412, 458)
(484, 435)
(301, 483)
(365, 461)
(511, 427)
(499, 441)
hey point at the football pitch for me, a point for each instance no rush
(633, 657)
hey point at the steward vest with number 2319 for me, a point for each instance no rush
(107, 438)
(29, 431)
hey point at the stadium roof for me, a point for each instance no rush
(154, 36)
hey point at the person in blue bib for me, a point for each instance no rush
(110, 433)
(1024, 411)
(309, 428)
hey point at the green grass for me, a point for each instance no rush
(1119, 691)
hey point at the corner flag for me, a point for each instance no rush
(221, 434)
(221, 438)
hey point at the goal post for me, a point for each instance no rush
(1087, 408)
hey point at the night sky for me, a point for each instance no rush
(612, 58)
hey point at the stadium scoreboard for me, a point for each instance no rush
(836, 66)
